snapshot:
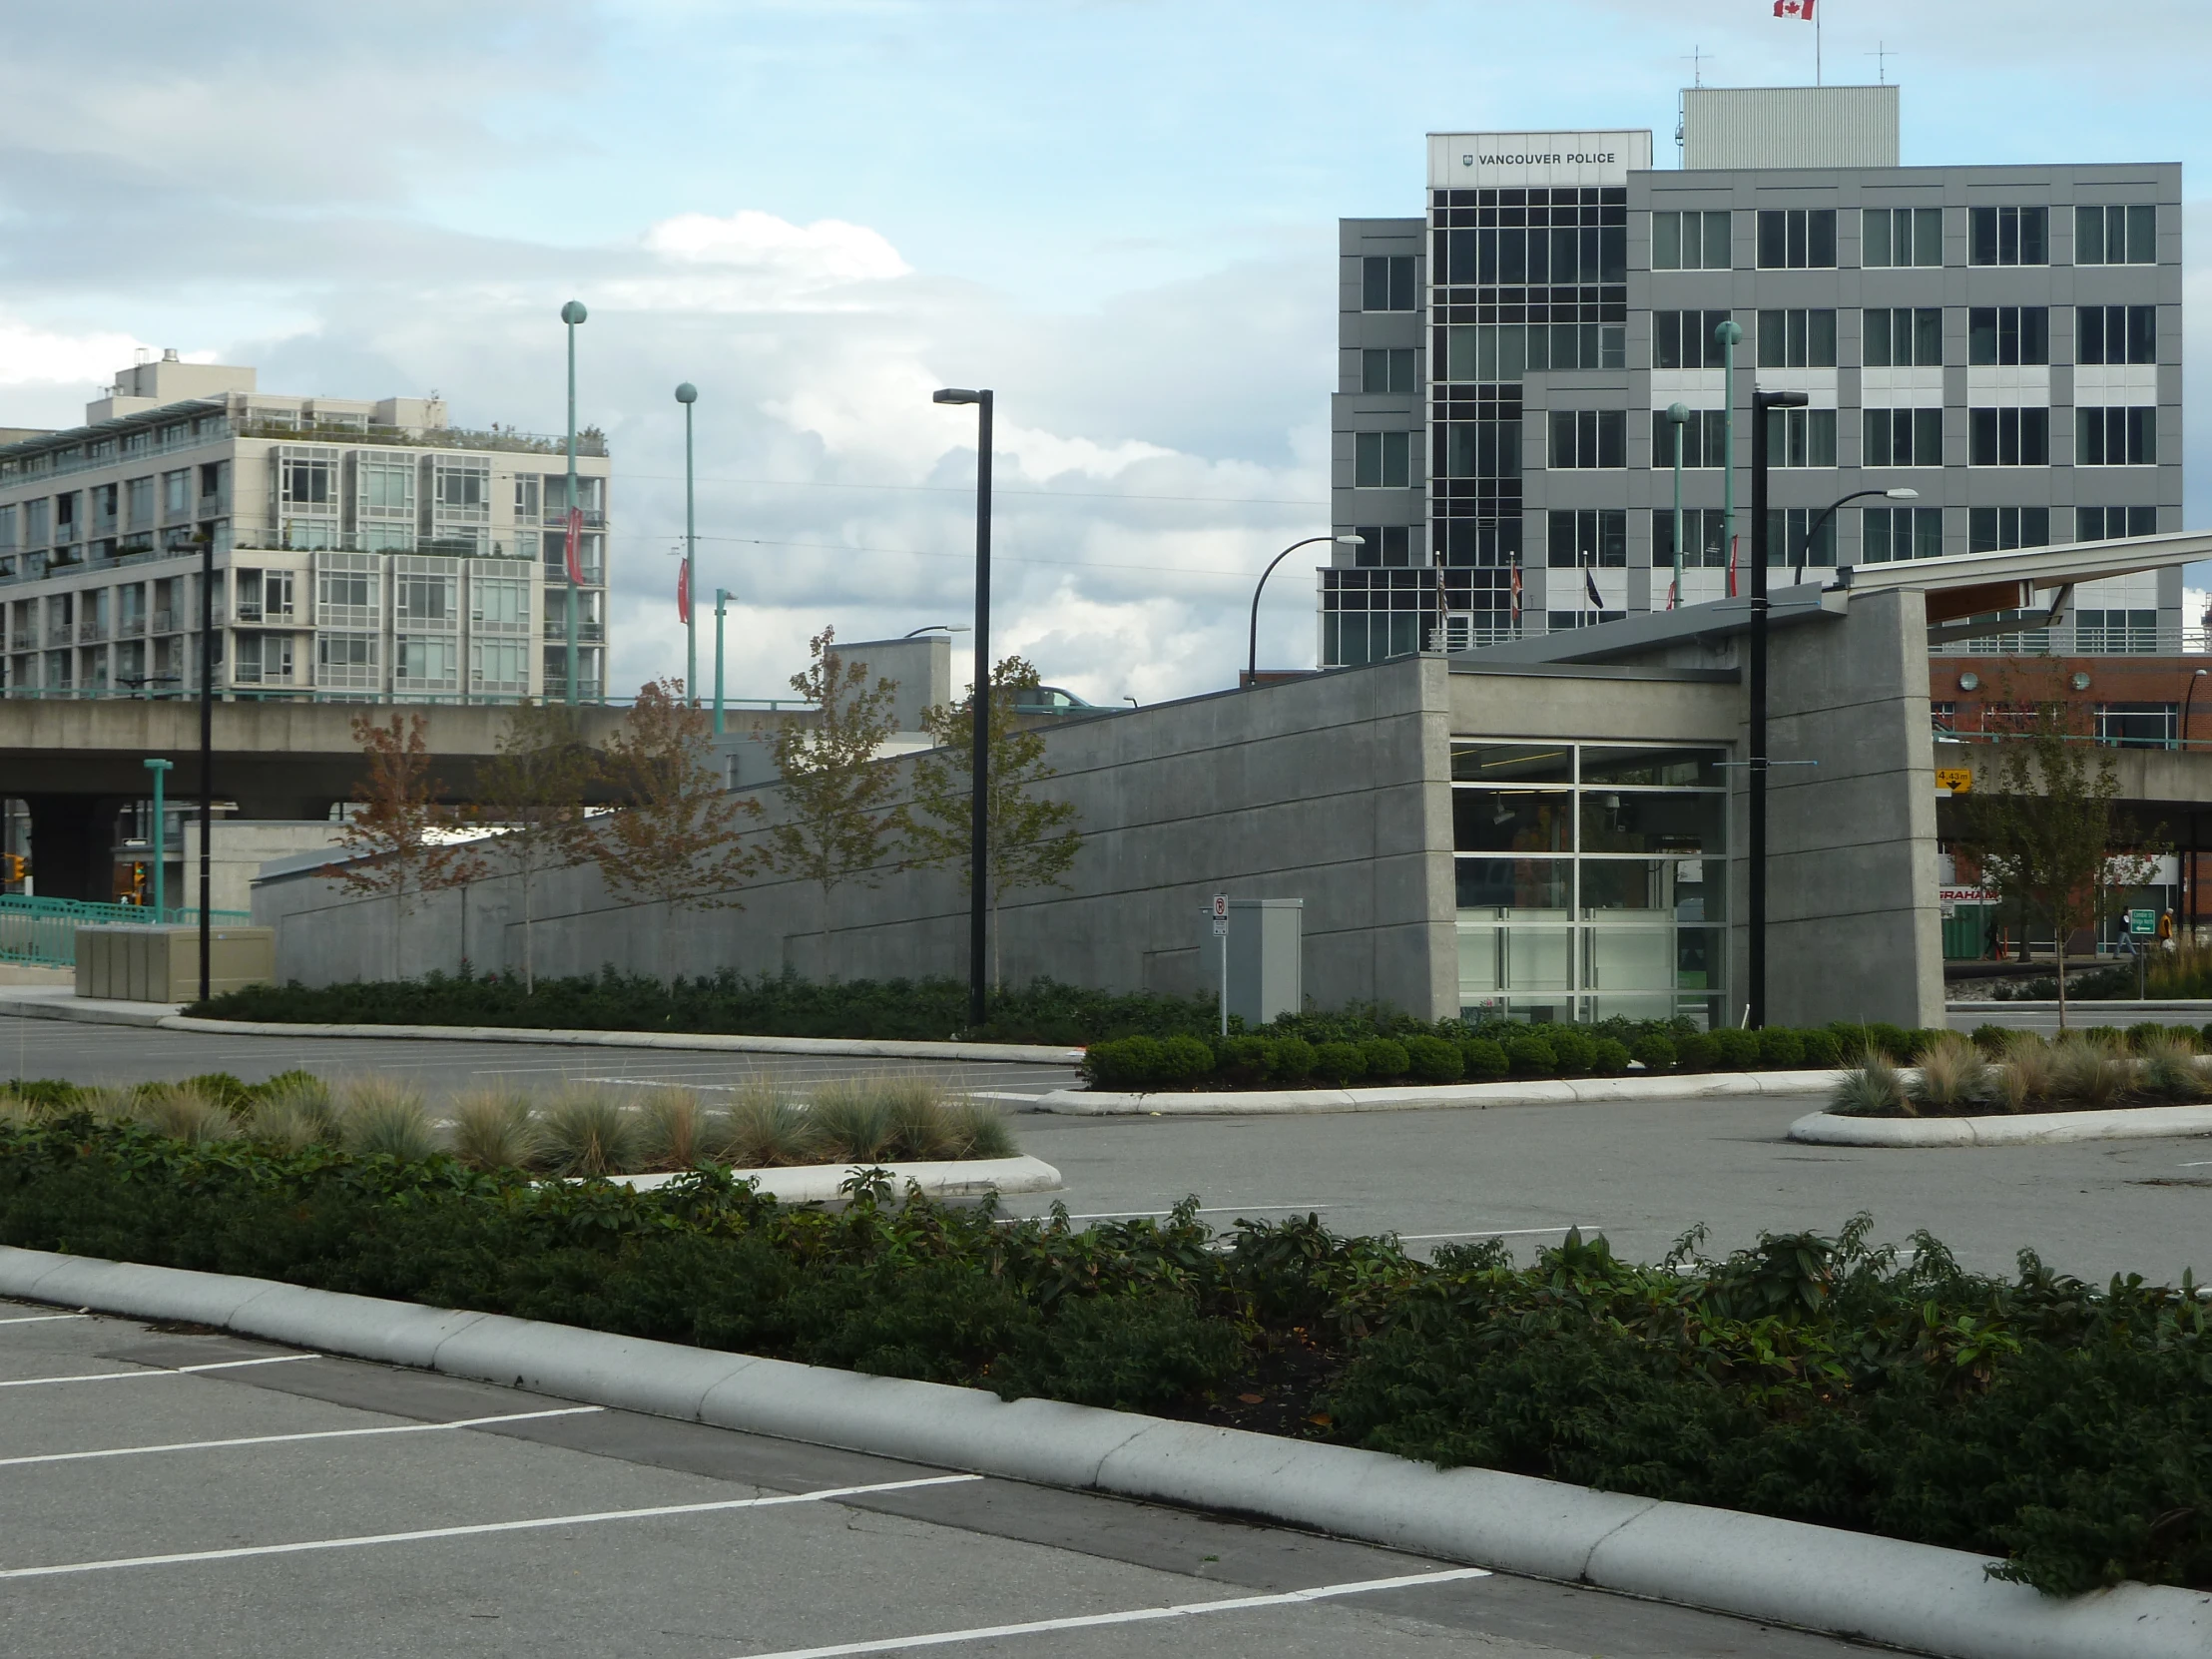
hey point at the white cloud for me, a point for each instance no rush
(32, 356)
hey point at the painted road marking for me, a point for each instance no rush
(44, 1318)
(481, 1529)
(171, 1370)
(280, 1440)
(1500, 1232)
(1137, 1615)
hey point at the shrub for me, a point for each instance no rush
(1530, 1055)
(1383, 1059)
(1822, 1049)
(1608, 1057)
(1433, 1060)
(1991, 1039)
(1571, 1051)
(1697, 1053)
(2108, 1037)
(1291, 1060)
(2139, 1036)
(1735, 1050)
(1339, 1063)
(1185, 1060)
(1875, 1037)
(1486, 1060)
(1124, 1063)
(1781, 1048)
(1654, 1053)
(587, 1132)
(1244, 1060)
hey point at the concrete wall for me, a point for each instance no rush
(1329, 790)
(241, 846)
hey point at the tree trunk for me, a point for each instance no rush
(997, 946)
(2059, 951)
(529, 938)
(829, 941)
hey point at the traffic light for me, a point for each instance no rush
(14, 867)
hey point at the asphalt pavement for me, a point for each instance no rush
(188, 1493)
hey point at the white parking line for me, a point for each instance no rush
(1209, 1210)
(1137, 1615)
(1499, 1232)
(43, 1319)
(153, 1370)
(307, 1545)
(280, 1439)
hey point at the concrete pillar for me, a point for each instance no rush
(72, 846)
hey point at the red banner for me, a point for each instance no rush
(683, 594)
(575, 549)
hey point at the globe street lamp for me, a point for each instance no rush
(1252, 661)
(980, 703)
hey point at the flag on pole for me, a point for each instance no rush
(683, 594)
(574, 552)
(1801, 10)
(1516, 596)
(1590, 584)
(1732, 541)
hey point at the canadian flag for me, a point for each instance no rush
(1799, 9)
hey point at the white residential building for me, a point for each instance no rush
(363, 550)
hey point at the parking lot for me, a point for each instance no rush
(190, 1493)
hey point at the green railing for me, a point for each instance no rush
(44, 930)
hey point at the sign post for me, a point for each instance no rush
(1220, 933)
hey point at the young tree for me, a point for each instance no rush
(2043, 834)
(838, 819)
(400, 840)
(532, 792)
(673, 839)
(1029, 842)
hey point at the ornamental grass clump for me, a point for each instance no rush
(2088, 1072)
(183, 1112)
(853, 1122)
(588, 1132)
(1954, 1076)
(2167, 1068)
(1871, 1089)
(383, 1117)
(492, 1128)
(292, 1111)
(675, 1128)
(764, 1129)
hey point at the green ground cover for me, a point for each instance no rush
(2061, 1428)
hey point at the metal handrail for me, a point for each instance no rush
(44, 930)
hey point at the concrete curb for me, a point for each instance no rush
(1721, 1085)
(2025, 1129)
(98, 1013)
(819, 1183)
(1912, 1597)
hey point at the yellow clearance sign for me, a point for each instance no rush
(1957, 780)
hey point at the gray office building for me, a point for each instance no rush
(2002, 341)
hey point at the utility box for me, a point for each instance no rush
(162, 964)
(1267, 957)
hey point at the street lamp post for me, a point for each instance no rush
(207, 751)
(2189, 887)
(1677, 415)
(159, 842)
(688, 394)
(1252, 660)
(1813, 530)
(1755, 918)
(1729, 333)
(979, 808)
(722, 600)
(573, 313)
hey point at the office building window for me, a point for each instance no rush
(1687, 340)
(1904, 438)
(1797, 239)
(2116, 633)
(2001, 529)
(1387, 283)
(1886, 533)
(1786, 532)
(2116, 438)
(1588, 537)
(2114, 523)
(1590, 437)
(1559, 622)
(1797, 340)
(1704, 440)
(1508, 351)
(1483, 449)
(2115, 235)
(1902, 337)
(1901, 236)
(1704, 538)
(2008, 235)
(1691, 242)
(1383, 460)
(2008, 334)
(1383, 544)
(2115, 334)
(1801, 437)
(1582, 250)
(1387, 371)
(2008, 437)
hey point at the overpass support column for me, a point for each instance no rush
(72, 846)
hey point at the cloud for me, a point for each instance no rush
(30, 356)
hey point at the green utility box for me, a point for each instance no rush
(162, 964)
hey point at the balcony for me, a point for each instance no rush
(165, 621)
(590, 441)
(131, 626)
(58, 633)
(21, 640)
(89, 632)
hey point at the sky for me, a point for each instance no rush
(1118, 213)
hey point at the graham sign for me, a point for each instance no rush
(1458, 161)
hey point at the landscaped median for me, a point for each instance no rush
(2058, 1429)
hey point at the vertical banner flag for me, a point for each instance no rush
(1589, 585)
(1801, 10)
(1732, 541)
(683, 594)
(575, 548)
(1516, 595)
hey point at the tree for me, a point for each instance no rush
(532, 791)
(400, 842)
(1029, 842)
(673, 839)
(2043, 834)
(839, 814)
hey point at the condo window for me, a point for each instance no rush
(1902, 337)
(1387, 283)
(1691, 242)
(2008, 437)
(2115, 334)
(1901, 236)
(1797, 340)
(387, 486)
(1797, 239)
(2117, 436)
(2115, 235)
(2008, 235)
(2008, 334)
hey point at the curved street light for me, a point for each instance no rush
(1251, 661)
(983, 402)
(1813, 530)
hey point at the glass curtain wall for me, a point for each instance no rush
(1593, 879)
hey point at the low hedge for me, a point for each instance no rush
(2063, 1428)
(1452, 1051)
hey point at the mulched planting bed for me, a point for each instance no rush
(1999, 1073)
